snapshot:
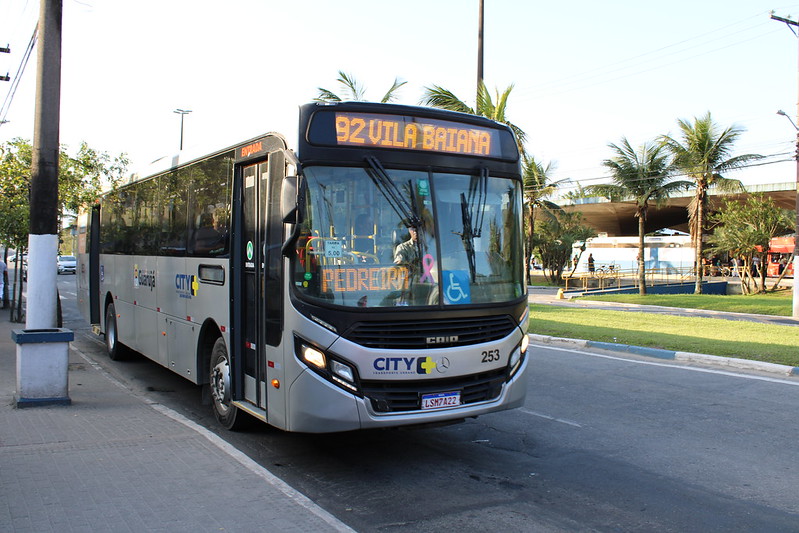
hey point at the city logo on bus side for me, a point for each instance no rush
(186, 285)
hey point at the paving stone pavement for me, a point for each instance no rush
(111, 461)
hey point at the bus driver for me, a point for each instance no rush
(407, 253)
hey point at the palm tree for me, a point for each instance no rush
(703, 155)
(437, 96)
(536, 179)
(644, 176)
(355, 91)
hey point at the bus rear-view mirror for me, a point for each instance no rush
(288, 200)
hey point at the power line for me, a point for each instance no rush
(759, 163)
(18, 76)
(601, 77)
(644, 59)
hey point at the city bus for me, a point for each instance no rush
(370, 277)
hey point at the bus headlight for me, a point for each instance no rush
(334, 370)
(342, 371)
(313, 356)
(518, 354)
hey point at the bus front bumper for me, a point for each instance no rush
(317, 406)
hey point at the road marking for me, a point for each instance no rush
(673, 365)
(547, 417)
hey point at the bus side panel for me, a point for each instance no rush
(173, 286)
(171, 289)
(210, 298)
(181, 342)
(116, 282)
(144, 281)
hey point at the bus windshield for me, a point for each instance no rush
(373, 237)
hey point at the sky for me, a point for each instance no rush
(585, 73)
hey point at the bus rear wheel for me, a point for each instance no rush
(116, 351)
(230, 416)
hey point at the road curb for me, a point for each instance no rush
(684, 357)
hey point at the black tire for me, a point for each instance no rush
(230, 416)
(116, 351)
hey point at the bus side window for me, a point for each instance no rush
(174, 213)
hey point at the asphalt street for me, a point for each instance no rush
(604, 442)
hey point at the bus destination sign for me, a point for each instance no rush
(406, 132)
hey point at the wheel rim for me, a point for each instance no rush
(220, 385)
(110, 332)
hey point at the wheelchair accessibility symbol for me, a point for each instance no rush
(456, 287)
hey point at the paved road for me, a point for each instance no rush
(603, 443)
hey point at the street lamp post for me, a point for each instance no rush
(795, 312)
(480, 47)
(182, 113)
(791, 25)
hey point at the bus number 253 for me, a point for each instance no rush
(490, 356)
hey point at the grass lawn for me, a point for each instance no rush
(745, 340)
(777, 303)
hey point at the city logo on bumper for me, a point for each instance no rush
(410, 365)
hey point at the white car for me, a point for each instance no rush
(67, 264)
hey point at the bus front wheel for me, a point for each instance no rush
(226, 413)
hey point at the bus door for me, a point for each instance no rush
(257, 290)
(93, 252)
(249, 345)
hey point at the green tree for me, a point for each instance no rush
(556, 233)
(437, 96)
(355, 91)
(744, 229)
(81, 178)
(704, 154)
(642, 175)
(538, 185)
(15, 167)
(578, 193)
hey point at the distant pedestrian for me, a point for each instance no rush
(590, 262)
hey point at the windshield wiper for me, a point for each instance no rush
(405, 209)
(472, 213)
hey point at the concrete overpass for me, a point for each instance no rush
(617, 219)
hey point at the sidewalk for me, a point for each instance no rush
(111, 461)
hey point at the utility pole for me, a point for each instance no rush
(43, 238)
(791, 24)
(480, 47)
